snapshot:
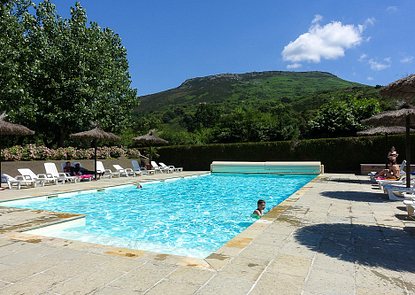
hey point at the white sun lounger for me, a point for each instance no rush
(143, 170)
(107, 173)
(178, 169)
(126, 171)
(160, 169)
(18, 181)
(28, 174)
(396, 193)
(61, 177)
(409, 202)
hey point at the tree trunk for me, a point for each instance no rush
(62, 136)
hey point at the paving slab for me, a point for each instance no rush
(337, 235)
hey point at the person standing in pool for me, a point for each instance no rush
(259, 211)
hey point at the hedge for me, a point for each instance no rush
(337, 154)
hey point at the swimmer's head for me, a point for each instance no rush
(261, 204)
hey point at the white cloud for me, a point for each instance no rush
(327, 42)
(362, 58)
(369, 21)
(407, 59)
(294, 66)
(392, 8)
(370, 78)
(317, 18)
(377, 66)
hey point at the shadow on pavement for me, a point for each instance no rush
(345, 180)
(373, 246)
(356, 196)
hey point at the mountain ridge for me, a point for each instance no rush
(237, 88)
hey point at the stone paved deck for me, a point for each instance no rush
(337, 235)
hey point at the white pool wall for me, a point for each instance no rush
(314, 167)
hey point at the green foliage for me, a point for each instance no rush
(334, 154)
(342, 118)
(249, 89)
(63, 73)
(258, 107)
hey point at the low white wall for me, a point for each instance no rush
(267, 167)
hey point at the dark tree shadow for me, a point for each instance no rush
(344, 180)
(374, 246)
(402, 208)
(356, 196)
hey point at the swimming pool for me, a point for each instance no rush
(191, 216)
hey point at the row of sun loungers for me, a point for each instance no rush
(397, 190)
(28, 178)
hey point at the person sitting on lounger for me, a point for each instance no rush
(259, 211)
(78, 170)
(68, 168)
(391, 173)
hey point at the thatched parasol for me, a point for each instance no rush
(392, 118)
(150, 139)
(7, 128)
(385, 130)
(95, 135)
(403, 88)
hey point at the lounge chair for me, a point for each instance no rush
(399, 181)
(144, 171)
(106, 172)
(126, 171)
(52, 171)
(81, 177)
(409, 202)
(39, 178)
(160, 169)
(18, 181)
(178, 169)
(401, 172)
(396, 193)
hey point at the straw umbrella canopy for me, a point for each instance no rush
(403, 88)
(7, 128)
(386, 131)
(151, 140)
(95, 135)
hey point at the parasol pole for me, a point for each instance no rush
(0, 161)
(387, 151)
(408, 152)
(95, 158)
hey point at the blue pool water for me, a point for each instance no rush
(187, 216)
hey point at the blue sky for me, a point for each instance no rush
(370, 41)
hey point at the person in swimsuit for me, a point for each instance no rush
(394, 168)
(392, 153)
(259, 211)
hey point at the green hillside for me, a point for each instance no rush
(258, 107)
(247, 89)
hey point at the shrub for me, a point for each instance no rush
(32, 152)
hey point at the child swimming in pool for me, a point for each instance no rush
(260, 210)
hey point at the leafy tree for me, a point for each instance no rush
(15, 61)
(78, 73)
(206, 116)
(253, 126)
(342, 118)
